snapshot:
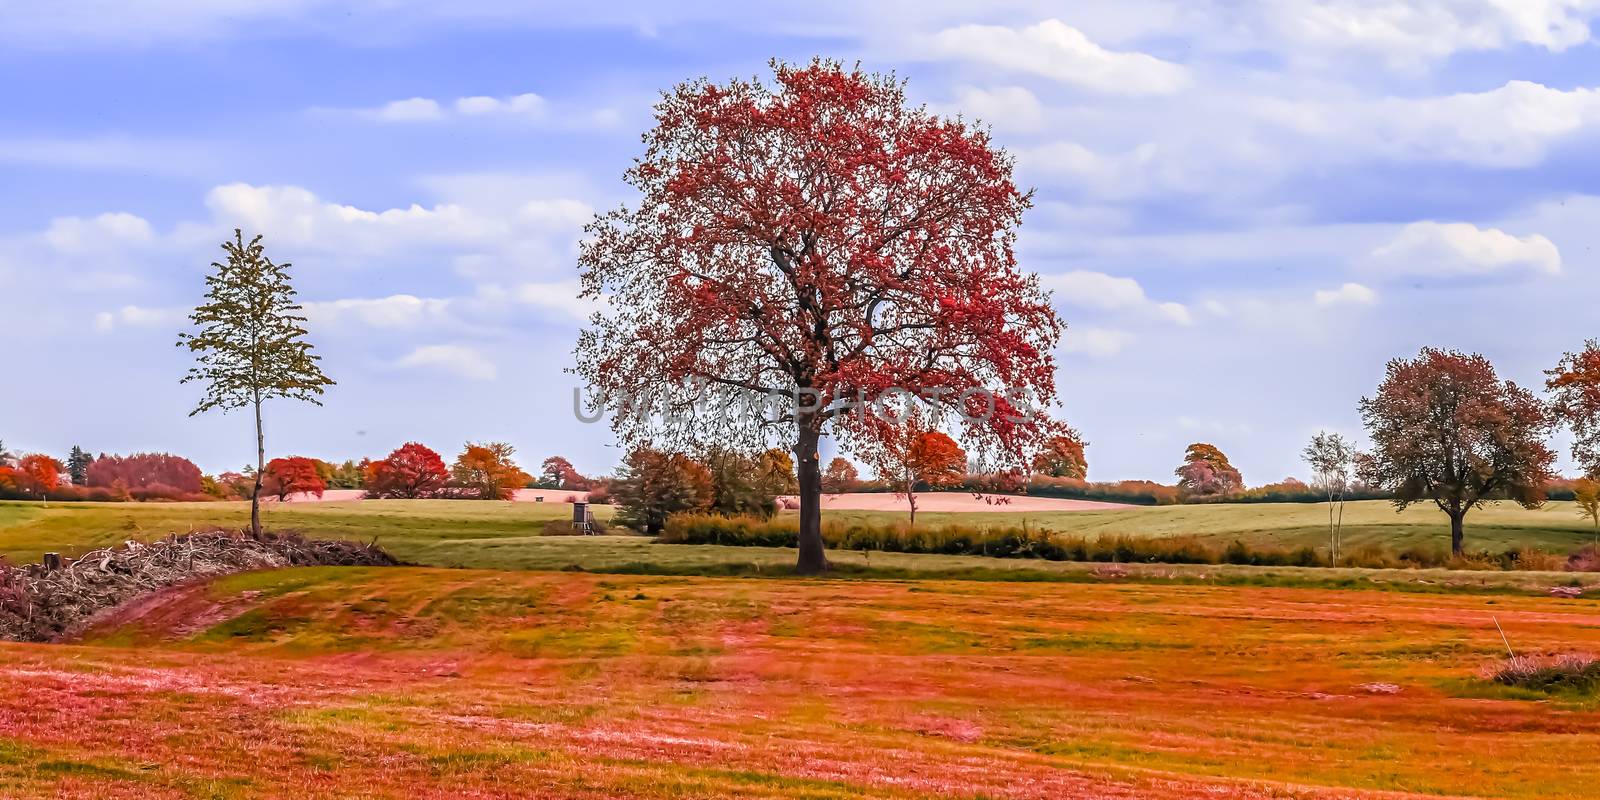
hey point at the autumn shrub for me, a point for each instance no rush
(1479, 560)
(1370, 556)
(1533, 559)
(1145, 493)
(600, 492)
(1584, 559)
(1569, 672)
(1009, 541)
(162, 493)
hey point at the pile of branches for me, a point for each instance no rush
(41, 602)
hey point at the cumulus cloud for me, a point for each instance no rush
(1437, 249)
(1097, 290)
(1004, 108)
(1349, 294)
(1058, 51)
(450, 359)
(132, 316)
(1435, 28)
(1510, 126)
(427, 109)
(400, 311)
(527, 108)
(102, 232)
(1093, 342)
(484, 245)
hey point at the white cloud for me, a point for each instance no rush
(1435, 249)
(99, 233)
(1436, 28)
(1097, 290)
(523, 108)
(528, 104)
(1004, 108)
(559, 296)
(1061, 52)
(450, 359)
(1094, 342)
(534, 238)
(400, 311)
(1349, 294)
(1510, 126)
(132, 316)
(416, 109)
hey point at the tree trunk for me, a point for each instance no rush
(261, 465)
(1456, 534)
(1333, 541)
(813, 558)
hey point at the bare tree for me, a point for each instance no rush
(1331, 457)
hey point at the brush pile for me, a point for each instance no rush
(40, 602)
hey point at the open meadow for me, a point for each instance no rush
(502, 534)
(720, 675)
(421, 683)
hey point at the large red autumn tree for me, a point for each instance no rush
(1445, 428)
(413, 470)
(815, 239)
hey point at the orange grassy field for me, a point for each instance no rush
(425, 683)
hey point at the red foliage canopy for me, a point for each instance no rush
(292, 475)
(1574, 385)
(1207, 472)
(146, 471)
(816, 237)
(559, 470)
(38, 474)
(411, 471)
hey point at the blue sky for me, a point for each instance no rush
(1243, 209)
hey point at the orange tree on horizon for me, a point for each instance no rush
(1063, 457)
(1206, 472)
(1445, 428)
(815, 239)
(293, 475)
(920, 458)
(488, 469)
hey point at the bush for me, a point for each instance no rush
(1584, 559)
(1571, 672)
(996, 542)
(1144, 493)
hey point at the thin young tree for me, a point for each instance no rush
(1331, 456)
(815, 238)
(250, 344)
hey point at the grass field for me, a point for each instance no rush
(417, 683)
(506, 535)
(1025, 679)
